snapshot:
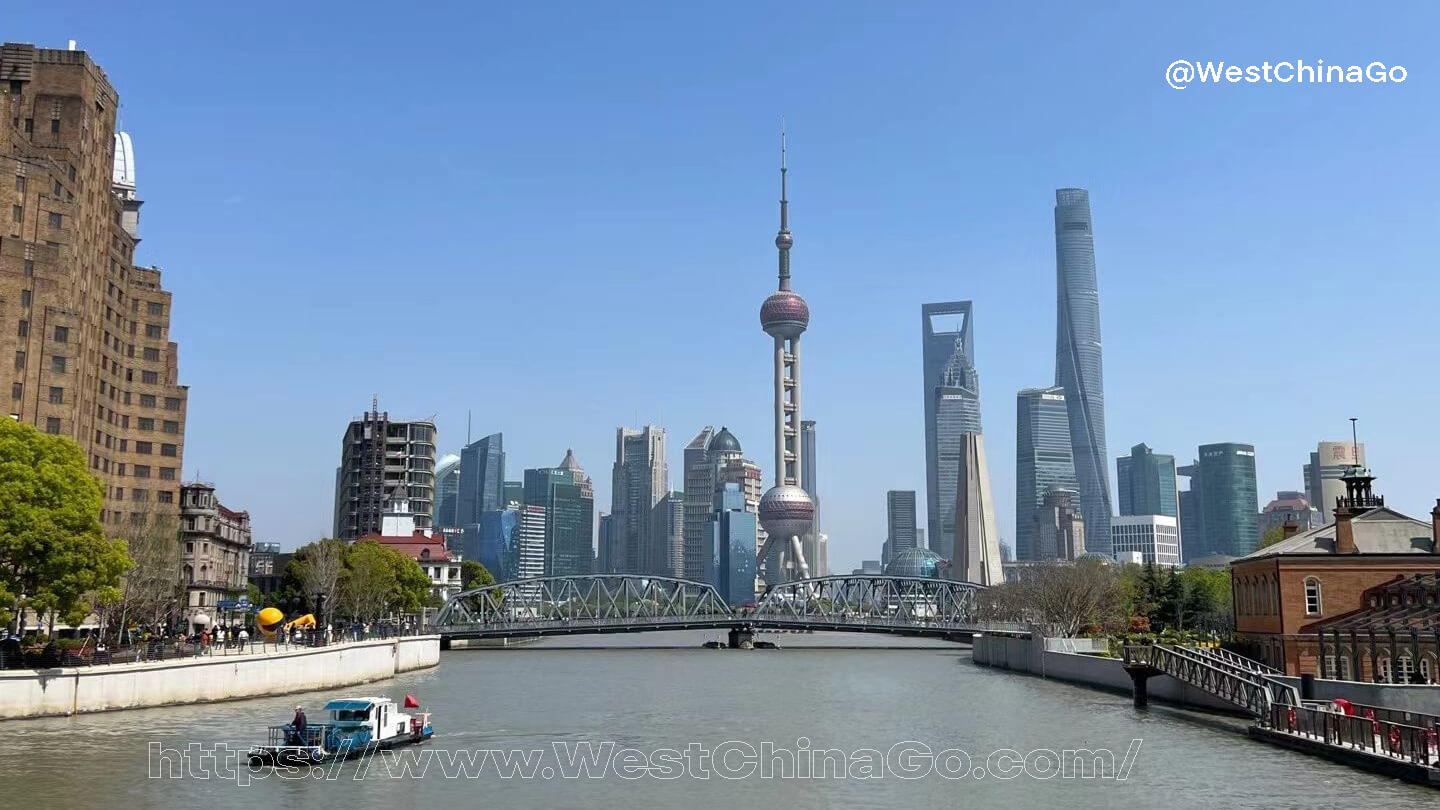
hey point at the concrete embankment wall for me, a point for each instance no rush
(58, 692)
(1029, 655)
(1405, 697)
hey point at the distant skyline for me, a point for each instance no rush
(572, 217)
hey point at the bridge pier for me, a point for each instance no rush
(741, 638)
(1140, 684)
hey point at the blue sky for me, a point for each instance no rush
(559, 216)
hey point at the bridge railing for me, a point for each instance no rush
(596, 598)
(911, 601)
(1248, 690)
(1398, 740)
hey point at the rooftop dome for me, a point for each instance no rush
(569, 462)
(784, 314)
(916, 562)
(723, 442)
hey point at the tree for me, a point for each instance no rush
(53, 550)
(378, 580)
(153, 588)
(1272, 535)
(1059, 597)
(314, 571)
(475, 575)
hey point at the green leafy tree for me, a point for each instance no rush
(1272, 535)
(475, 575)
(53, 551)
(378, 580)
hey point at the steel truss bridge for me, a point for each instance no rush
(631, 603)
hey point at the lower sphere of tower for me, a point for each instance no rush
(787, 511)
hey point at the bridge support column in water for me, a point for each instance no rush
(1140, 681)
(741, 638)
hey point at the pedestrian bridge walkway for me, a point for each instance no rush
(629, 603)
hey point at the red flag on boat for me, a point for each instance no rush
(411, 702)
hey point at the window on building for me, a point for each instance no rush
(54, 126)
(149, 377)
(152, 330)
(140, 495)
(29, 267)
(142, 471)
(1313, 604)
(25, 298)
(17, 390)
(167, 473)
(147, 400)
(1405, 671)
(151, 354)
(143, 448)
(17, 213)
(1384, 663)
(62, 334)
(155, 308)
(24, 330)
(57, 364)
(146, 423)
(168, 450)
(172, 427)
(172, 403)
(56, 219)
(165, 496)
(57, 395)
(52, 425)
(20, 183)
(19, 361)
(1427, 669)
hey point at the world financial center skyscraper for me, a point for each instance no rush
(1078, 367)
(960, 515)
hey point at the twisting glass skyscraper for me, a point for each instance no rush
(1078, 367)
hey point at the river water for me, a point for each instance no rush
(659, 691)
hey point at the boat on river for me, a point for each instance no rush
(352, 727)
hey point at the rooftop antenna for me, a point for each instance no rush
(375, 403)
(1354, 444)
(467, 426)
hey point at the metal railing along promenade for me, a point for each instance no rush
(171, 649)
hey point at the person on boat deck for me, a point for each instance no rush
(298, 725)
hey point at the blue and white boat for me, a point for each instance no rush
(353, 727)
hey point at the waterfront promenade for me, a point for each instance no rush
(217, 675)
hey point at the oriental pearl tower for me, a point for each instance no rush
(786, 510)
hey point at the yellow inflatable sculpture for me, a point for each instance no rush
(272, 620)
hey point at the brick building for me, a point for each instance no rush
(1283, 591)
(87, 330)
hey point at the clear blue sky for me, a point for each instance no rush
(560, 216)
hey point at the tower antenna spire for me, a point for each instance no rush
(784, 240)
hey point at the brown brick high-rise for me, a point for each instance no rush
(84, 334)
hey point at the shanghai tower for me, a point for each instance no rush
(1078, 367)
(786, 510)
